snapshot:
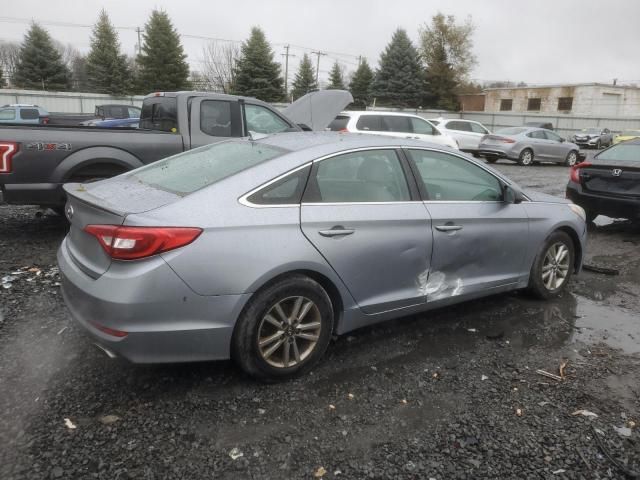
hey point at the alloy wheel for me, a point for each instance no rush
(527, 157)
(556, 266)
(571, 159)
(289, 332)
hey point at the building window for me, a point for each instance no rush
(565, 103)
(506, 104)
(534, 104)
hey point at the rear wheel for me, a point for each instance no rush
(526, 157)
(284, 330)
(572, 158)
(553, 266)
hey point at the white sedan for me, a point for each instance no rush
(466, 132)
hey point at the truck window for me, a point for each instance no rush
(134, 112)
(160, 113)
(215, 118)
(263, 120)
(116, 111)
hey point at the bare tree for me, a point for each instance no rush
(9, 55)
(218, 65)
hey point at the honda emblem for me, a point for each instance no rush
(69, 212)
(616, 172)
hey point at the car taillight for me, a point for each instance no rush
(45, 120)
(574, 175)
(133, 243)
(7, 151)
(344, 130)
(506, 140)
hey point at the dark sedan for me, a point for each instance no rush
(610, 183)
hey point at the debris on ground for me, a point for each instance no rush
(603, 270)
(320, 472)
(562, 367)
(350, 396)
(69, 424)
(544, 373)
(585, 413)
(109, 419)
(484, 377)
(235, 453)
(519, 412)
(624, 431)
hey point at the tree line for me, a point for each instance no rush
(430, 74)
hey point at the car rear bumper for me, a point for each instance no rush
(614, 207)
(46, 194)
(164, 320)
(494, 152)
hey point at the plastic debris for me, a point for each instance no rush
(484, 377)
(108, 419)
(351, 396)
(559, 471)
(624, 431)
(235, 453)
(320, 472)
(69, 424)
(261, 411)
(519, 412)
(562, 367)
(631, 424)
(332, 407)
(61, 330)
(585, 413)
(603, 270)
(404, 401)
(472, 330)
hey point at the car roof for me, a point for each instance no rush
(376, 112)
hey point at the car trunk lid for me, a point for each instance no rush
(611, 180)
(104, 203)
(318, 109)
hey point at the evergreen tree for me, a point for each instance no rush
(399, 80)
(161, 65)
(106, 68)
(40, 65)
(305, 80)
(79, 80)
(440, 83)
(256, 73)
(360, 85)
(2, 82)
(336, 80)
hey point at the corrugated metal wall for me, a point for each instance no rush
(64, 102)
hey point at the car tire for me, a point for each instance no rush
(267, 321)
(572, 158)
(550, 276)
(526, 157)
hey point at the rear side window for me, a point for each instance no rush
(460, 126)
(552, 136)
(8, 114)
(449, 178)
(160, 113)
(286, 191)
(29, 114)
(371, 123)
(397, 123)
(118, 112)
(539, 134)
(263, 120)
(339, 123)
(215, 118)
(478, 128)
(190, 171)
(366, 176)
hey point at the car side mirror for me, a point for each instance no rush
(512, 194)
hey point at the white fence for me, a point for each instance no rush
(65, 102)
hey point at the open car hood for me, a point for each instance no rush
(318, 109)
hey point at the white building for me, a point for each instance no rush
(590, 99)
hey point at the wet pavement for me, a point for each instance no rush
(450, 394)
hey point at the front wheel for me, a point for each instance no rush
(526, 157)
(598, 145)
(572, 158)
(284, 330)
(552, 267)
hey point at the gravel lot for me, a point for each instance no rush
(449, 395)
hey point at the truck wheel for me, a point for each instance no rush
(526, 157)
(284, 330)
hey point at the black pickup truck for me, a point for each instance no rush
(35, 161)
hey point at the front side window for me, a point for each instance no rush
(134, 112)
(449, 178)
(366, 176)
(215, 118)
(198, 168)
(263, 120)
(29, 113)
(422, 127)
(8, 114)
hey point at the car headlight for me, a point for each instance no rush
(578, 210)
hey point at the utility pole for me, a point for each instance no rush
(139, 40)
(319, 54)
(286, 56)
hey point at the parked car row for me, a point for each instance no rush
(28, 114)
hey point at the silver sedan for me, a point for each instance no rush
(262, 250)
(527, 146)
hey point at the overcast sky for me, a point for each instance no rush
(536, 41)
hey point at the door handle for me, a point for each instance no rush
(448, 228)
(336, 231)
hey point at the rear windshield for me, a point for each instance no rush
(339, 123)
(511, 130)
(190, 171)
(628, 152)
(160, 113)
